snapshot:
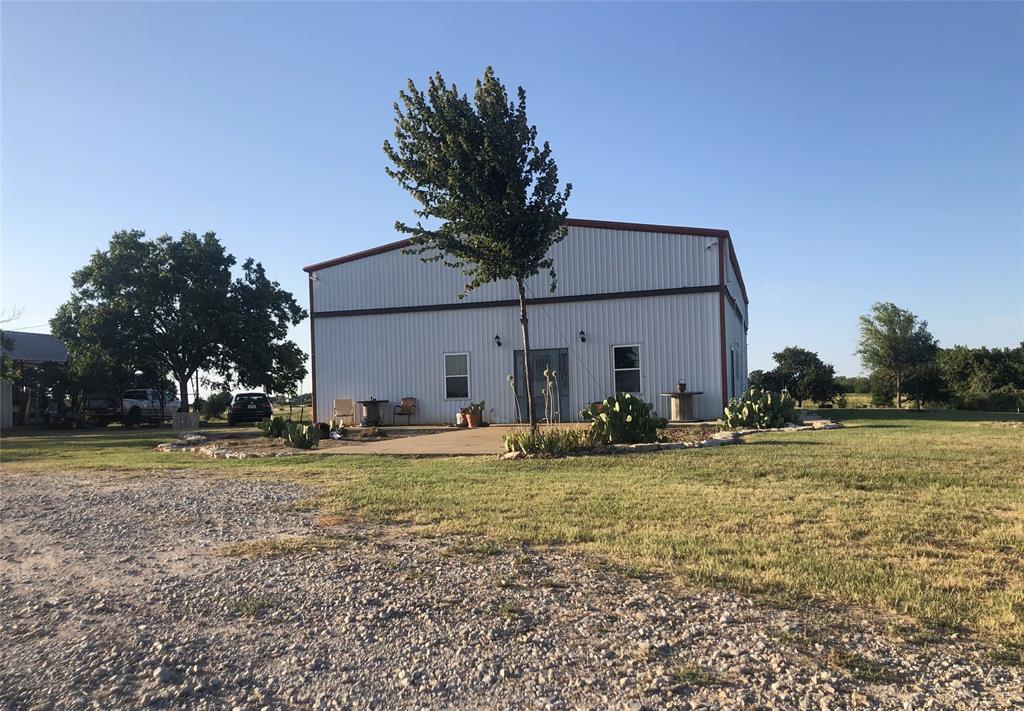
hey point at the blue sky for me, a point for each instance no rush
(857, 152)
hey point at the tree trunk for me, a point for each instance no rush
(899, 395)
(183, 389)
(527, 375)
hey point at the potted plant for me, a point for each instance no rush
(473, 414)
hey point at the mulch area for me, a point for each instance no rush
(254, 441)
(688, 433)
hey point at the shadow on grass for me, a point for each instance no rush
(891, 413)
(781, 442)
(888, 426)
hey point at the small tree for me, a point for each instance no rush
(895, 342)
(216, 404)
(882, 389)
(476, 167)
(803, 374)
(925, 384)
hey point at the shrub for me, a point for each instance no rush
(758, 409)
(302, 436)
(552, 442)
(273, 426)
(623, 419)
(215, 405)
(1004, 399)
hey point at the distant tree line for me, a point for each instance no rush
(905, 364)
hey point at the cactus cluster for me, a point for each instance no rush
(758, 409)
(273, 426)
(623, 419)
(302, 436)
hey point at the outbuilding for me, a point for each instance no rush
(34, 356)
(638, 308)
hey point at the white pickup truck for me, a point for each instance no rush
(136, 406)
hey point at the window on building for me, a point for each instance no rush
(456, 376)
(626, 364)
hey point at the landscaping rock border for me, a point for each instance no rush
(719, 439)
(200, 444)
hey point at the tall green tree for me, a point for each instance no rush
(489, 197)
(895, 343)
(171, 306)
(258, 351)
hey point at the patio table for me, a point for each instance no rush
(371, 412)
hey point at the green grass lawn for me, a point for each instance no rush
(920, 514)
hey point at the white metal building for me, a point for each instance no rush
(637, 308)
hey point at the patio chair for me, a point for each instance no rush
(345, 408)
(406, 409)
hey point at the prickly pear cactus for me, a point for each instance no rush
(623, 419)
(272, 426)
(758, 409)
(302, 436)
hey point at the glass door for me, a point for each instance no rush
(553, 405)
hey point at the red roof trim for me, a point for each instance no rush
(642, 227)
(569, 222)
(389, 247)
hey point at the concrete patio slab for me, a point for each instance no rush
(481, 440)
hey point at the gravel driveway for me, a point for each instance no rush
(120, 592)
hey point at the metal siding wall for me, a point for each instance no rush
(736, 337)
(732, 282)
(401, 355)
(587, 261)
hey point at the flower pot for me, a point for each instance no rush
(473, 419)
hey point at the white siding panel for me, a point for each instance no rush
(401, 355)
(589, 260)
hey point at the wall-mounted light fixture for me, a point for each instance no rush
(583, 336)
(314, 277)
(497, 341)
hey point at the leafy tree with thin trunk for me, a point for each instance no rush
(895, 343)
(804, 375)
(490, 203)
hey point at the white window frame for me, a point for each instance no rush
(467, 376)
(639, 366)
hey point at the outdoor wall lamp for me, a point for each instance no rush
(583, 336)
(497, 341)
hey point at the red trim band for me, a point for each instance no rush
(721, 316)
(312, 348)
(458, 306)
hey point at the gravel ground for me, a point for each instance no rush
(123, 592)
